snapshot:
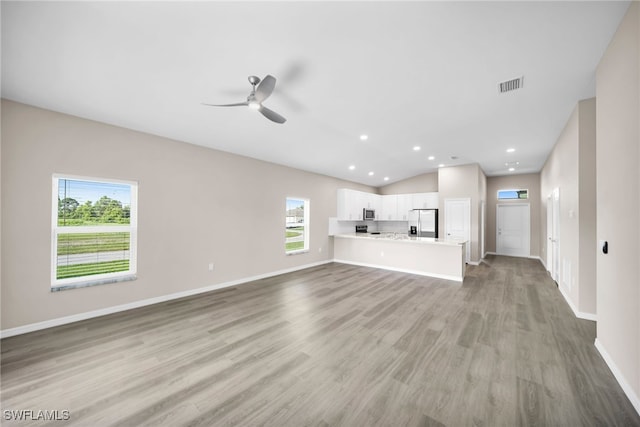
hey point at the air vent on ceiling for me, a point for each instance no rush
(509, 85)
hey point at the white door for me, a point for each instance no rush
(512, 228)
(555, 235)
(549, 233)
(457, 221)
(483, 213)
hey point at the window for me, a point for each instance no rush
(296, 225)
(94, 225)
(513, 194)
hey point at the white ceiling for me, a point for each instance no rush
(404, 73)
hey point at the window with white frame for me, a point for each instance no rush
(296, 225)
(513, 194)
(94, 231)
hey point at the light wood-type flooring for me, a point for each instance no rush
(334, 345)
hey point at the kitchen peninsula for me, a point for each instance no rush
(426, 256)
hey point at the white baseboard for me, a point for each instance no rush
(576, 312)
(516, 256)
(474, 262)
(633, 398)
(401, 270)
(150, 301)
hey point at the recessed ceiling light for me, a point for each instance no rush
(352, 167)
(432, 158)
(386, 178)
(510, 150)
(512, 169)
(441, 165)
(364, 137)
(371, 173)
(416, 148)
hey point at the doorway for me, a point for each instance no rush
(513, 229)
(553, 234)
(457, 221)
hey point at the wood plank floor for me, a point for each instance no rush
(334, 345)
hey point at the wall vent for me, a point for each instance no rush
(509, 85)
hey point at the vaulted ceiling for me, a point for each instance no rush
(406, 74)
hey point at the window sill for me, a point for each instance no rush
(301, 251)
(88, 283)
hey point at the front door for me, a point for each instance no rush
(512, 225)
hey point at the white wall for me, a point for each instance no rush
(618, 211)
(196, 206)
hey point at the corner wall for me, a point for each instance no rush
(618, 210)
(467, 181)
(571, 168)
(196, 206)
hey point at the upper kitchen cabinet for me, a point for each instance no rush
(395, 207)
(389, 210)
(424, 201)
(403, 203)
(391, 207)
(351, 204)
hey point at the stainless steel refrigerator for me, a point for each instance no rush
(423, 223)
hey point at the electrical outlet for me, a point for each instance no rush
(210, 266)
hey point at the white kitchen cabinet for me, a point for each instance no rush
(403, 205)
(395, 207)
(352, 202)
(424, 200)
(349, 205)
(389, 208)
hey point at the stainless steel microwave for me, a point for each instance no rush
(368, 214)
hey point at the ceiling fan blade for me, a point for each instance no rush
(272, 115)
(227, 105)
(265, 88)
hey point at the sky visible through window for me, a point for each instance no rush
(82, 191)
(294, 204)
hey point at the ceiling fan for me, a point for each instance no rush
(261, 91)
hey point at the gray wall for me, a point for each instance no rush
(196, 206)
(618, 212)
(425, 183)
(571, 168)
(467, 181)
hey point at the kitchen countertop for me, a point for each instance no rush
(400, 237)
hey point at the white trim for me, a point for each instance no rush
(307, 232)
(150, 301)
(401, 270)
(474, 262)
(132, 229)
(633, 398)
(578, 314)
(512, 189)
